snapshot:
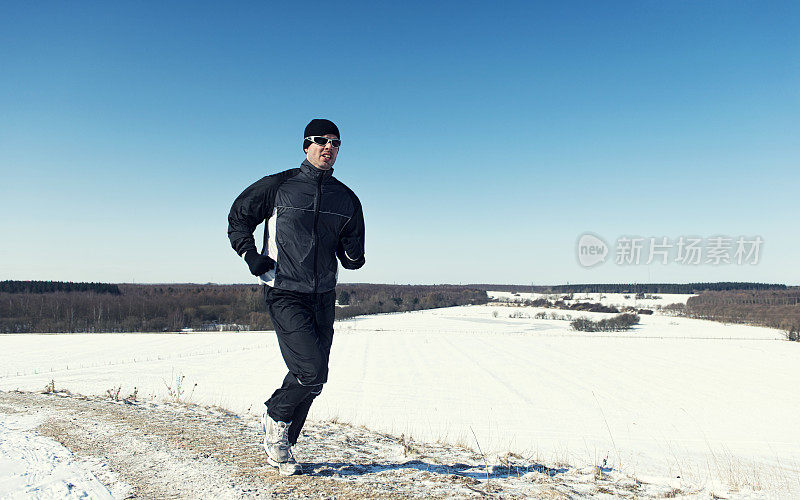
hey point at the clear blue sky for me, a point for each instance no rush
(483, 138)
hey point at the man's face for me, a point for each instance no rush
(322, 157)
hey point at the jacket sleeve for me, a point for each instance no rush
(350, 250)
(249, 210)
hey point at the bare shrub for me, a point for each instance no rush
(50, 388)
(177, 391)
(408, 445)
(113, 394)
(593, 307)
(675, 309)
(584, 324)
(618, 323)
(132, 396)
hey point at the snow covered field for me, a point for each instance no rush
(680, 401)
(608, 299)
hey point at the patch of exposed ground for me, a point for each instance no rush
(166, 450)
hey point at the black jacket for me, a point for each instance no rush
(312, 218)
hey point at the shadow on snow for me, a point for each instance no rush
(472, 471)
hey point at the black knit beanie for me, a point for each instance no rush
(319, 126)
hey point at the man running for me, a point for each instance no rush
(311, 220)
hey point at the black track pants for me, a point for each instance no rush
(304, 326)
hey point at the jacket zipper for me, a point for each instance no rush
(316, 233)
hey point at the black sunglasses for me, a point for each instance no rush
(322, 140)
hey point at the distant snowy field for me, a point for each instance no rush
(609, 299)
(685, 401)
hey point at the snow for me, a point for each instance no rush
(677, 401)
(33, 466)
(167, 450)
(608, 299)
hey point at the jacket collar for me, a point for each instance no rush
(313, 172)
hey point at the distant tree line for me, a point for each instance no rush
(561, 304)
(512, 288)
(770, 308)
(56, 286)
(367, 298)
(156, 308)
(663, 287)
(137, 308)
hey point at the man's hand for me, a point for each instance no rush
(258, 264)
(347, 261)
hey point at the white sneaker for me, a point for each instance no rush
(276, 440)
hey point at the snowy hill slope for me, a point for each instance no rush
(146, 450)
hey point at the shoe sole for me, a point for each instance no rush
(277, 464)
(297, 472)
